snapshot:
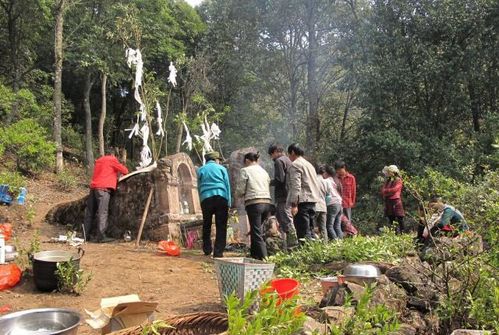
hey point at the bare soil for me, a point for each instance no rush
(180, 285)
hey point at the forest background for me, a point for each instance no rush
(373, 82)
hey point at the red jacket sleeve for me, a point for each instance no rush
(396, 188)
(119, 167)
(354, 195)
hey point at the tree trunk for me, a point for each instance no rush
(88, 123)
(59, 21)
(180, 132)
(475, 106)
(345, 115)
(293, 92)
(102, 117)
(313, 125)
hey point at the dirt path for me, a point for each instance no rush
(179, 284)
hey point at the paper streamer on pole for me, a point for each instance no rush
(172, 77)
(188, 138)
(134, 57)
(159, 120)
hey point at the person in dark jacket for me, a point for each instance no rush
(104, 182)
(283, 211)
(214, 194)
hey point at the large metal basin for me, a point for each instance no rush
(43, 321)
(361, 273)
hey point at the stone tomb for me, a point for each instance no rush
(175, 200)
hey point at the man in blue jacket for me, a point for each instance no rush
(214, 193)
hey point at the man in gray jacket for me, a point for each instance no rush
(283, 211)
(303, 191)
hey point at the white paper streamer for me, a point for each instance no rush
(134, 131)
(134, 57)
(172, 78)
(142, 108)
(188, 138)
(215, 131)
(159, 120)
(145, 156)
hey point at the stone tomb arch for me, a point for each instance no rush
(178, 198)
(185, 187)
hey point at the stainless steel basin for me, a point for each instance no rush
(361, 273)
(43, 321)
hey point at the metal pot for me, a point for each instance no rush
(42, 321)
(361, 273)
(45, 266)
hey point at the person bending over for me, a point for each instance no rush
(451, 221)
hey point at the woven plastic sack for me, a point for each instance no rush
(6, 230)
(169, 247)
(10, 275)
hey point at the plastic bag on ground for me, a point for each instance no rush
(10, 275)
(6, 230)
(169, 247)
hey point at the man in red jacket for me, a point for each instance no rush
(348, 188)
(104, 181)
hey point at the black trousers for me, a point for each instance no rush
(98, 207)
(400, 221)
(304, 219)
(219, 207)
(257, 213)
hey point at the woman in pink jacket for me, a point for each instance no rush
(391, 193)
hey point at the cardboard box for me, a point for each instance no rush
(121, 312)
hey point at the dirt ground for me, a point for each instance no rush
(180, 285)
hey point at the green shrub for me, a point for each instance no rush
(387, 247)
(28, 142)
(14, 180)
(368, 319)
(66, 181)
(71, 279)
(273, 317)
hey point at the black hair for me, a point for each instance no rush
(252, 156)
(435, 198)
(110, 151)
(275, 148)
(320, 169)
(296, 149)
(339, 165)
(330, 171)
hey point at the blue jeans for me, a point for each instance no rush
(333, 222)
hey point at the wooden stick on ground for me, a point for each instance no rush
(144, 216)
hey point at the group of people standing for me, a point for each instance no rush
(305, 197)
